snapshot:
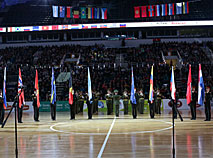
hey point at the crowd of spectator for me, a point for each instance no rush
(110, 68)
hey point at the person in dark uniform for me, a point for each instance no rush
(158, 107)
(2, 110)
(116, 102)
(141, 101)
(73, 106)
(151, 109)
(193, 104)
(20, 111)
(125, 98)
(95, 102)
(175, 103)
(207, 100)
(53, 110)
(134, 106)
(155, 100)
(89, 106)
(76, 103)
(80, 102)
(35, 106)
(108, 97)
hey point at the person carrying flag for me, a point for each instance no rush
(72, 99)
(36, 101)
(151, 97)
(21, 98)
(116, 102)
(53, 97)
(133, 98)
(193, 103)
(2, 110)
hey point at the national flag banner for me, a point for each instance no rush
(122, 25)
(171, 9)
(62, 11)
(164, 9)
(70, 89)
(36, 28)
(10, 29)
(103, 13)
(69, 12)
(27, 28)
(85, 26)
(53, 89)
(83, 13)
(178, 8)
(185, 7)
(201, 88)
(18, 29)
(143, 12)
(172, 85)
(76, 14)
(20, 90)
(151, 11)
(132, 96)
(94, 26)
(75, 26)
(43, 28)
(96, 13)
(90, 13)
(3, 29)
(89, 87)
(103, 26)
(55, 27)
(4, 90)
(37, 89)
(157, 10)
(151, 90)
(137, 12)
(55, 11)
(64, 27)
(189, 87)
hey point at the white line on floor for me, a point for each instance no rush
(106, 139)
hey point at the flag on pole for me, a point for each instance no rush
(185, 7)
(137, 12)
(70, 90)
(37, 89)
(201, 88)
(89, 87)
(189, 87)
(96, 13)
(69, 12)
(76, 14)
(143, 12)
(55, 11)
(172, 85)
(4, 90)
(53, 89)
(132, 97)
(164, 9)
(151, 90)
(20, 90)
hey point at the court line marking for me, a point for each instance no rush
(106, 139)
(139, 132)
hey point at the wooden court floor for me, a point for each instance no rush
(107, 136)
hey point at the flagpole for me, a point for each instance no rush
(173, 128)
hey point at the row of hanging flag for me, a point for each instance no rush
(79, 13)
(161, 10)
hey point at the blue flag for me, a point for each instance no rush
(62, 11)
(132, 97)
(53, 89)
(89, 87)
(178, 8)
(201, 87)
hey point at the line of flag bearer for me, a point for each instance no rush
(112, 100)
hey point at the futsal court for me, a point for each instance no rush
(108, 136)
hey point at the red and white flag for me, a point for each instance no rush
(189, 87)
